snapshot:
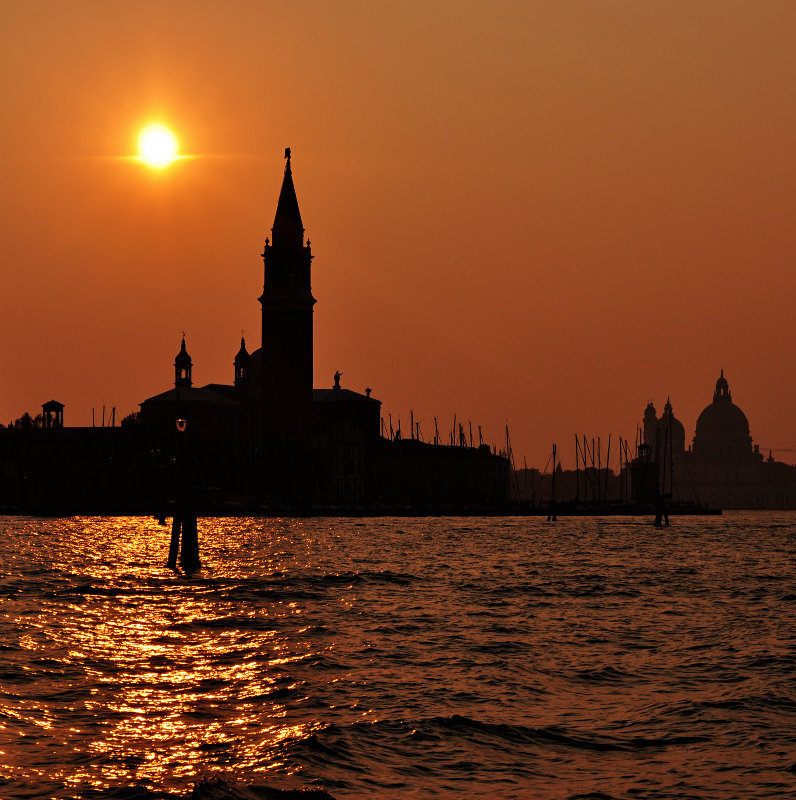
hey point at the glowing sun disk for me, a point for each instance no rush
(157, 146)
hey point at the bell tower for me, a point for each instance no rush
(182, 368)
(242, 365)
(650, 424)
(287, 308)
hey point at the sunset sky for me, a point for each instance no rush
(540, 213)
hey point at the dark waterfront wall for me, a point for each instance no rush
(68, 470)
(590, 487)
(411, 472)
(134, 468)
(764, 485)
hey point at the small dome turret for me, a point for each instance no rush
(722, 392)
(183, 367)
(242, 365)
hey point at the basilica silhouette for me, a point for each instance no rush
(722, 467)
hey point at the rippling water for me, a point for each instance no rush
(473, 658)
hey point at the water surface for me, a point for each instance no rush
(472, 658)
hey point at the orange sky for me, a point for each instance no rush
(547, 215)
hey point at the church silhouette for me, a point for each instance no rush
(268, 442)
(270, 434)
(722, 467)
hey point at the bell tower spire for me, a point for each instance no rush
(287, 308)
(287, 230)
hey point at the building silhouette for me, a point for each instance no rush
(267, 440)
(269, 431)
(722, 431)
(722, 468)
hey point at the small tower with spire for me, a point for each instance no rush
(182, 368)
(242, 363)
(287, 309)
(650, 424)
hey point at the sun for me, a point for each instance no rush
(157, 146)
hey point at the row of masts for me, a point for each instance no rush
(460, 435)
(111, 418)
(593, 474)
(593, 478)
(588, 462)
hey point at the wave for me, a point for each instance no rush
(338, 740)
(607, 674)
(223, 788)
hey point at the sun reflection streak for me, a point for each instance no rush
(176, 675)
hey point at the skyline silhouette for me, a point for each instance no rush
(546, 217)
(269, 442)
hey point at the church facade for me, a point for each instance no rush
(722, 468)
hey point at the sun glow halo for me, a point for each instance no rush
(157, 146)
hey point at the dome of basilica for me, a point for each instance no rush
(723, 419)
(722, 430)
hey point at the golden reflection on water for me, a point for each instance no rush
(178, 672)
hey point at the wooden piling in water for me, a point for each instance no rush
(175, 542)
(184, 533)
(189, 551)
